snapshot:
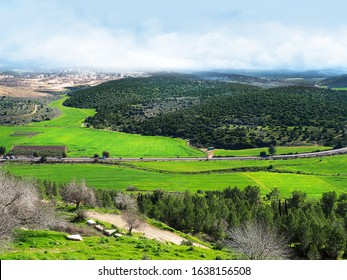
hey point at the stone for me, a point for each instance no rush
(109, 232)
(91, 222)
(74, 237)
(99, 227)
(117, 235)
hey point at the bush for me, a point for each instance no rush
(131, 189)
(262, 154)
(187, 243)
(106, 154)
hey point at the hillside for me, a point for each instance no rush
(335, 82)
(214, 113)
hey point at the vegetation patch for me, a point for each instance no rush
(24, 134)
(57, 151)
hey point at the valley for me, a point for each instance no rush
(174, 145)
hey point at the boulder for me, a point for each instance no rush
(74, 237)
(109, 232)
(91, 223)
(117, 235)
(99, 227)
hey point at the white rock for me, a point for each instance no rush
(75, 237)
(91, 222)
(117, 235)
(109, 232)
(99, 227)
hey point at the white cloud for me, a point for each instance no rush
(151, 46)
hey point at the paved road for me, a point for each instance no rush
(111, 160)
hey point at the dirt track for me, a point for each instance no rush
(149, 231)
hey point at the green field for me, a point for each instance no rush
(280, 151)
(332, 165)
(67, 130)
(50, 245)
(313, 176)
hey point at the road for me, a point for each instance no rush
(112, 160)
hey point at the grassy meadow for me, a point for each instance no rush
(67, 130)
(313, 176)
(280, 151)
(50, 245)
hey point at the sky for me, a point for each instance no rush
(174, 35)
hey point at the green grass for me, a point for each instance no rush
(66, 130)
(313, 176)
(50, 245)
(70, 117)
(332, 165)
(280, 151)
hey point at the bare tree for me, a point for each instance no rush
(257, 242)
(77, 193)
(20, 205)
(124, 201)
(132, 219)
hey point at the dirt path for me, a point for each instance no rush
(149, 231)
(32, 113)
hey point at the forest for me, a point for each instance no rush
(214, 113)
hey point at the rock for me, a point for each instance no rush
(109, 232)
(117, 235)
(99, 227)
(74, 237)
(91, 223)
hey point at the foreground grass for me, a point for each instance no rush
(50, 245)
(313, 176)
(279, 151)
(67, 130)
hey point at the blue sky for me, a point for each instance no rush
(174, 35)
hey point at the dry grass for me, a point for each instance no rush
(20, 92)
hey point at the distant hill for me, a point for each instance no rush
(335, 82)
(236, 78)
(215, 113)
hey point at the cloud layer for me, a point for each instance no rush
(208, 38)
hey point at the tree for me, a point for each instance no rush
(124, 201)
(272, 150)
(20, 205)
(297, 200)
(2, 150)
(78, 193)
(262, 154)
(328, 201)
(106, 154)
(252, 194)
(133, 219)
(257, 242)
